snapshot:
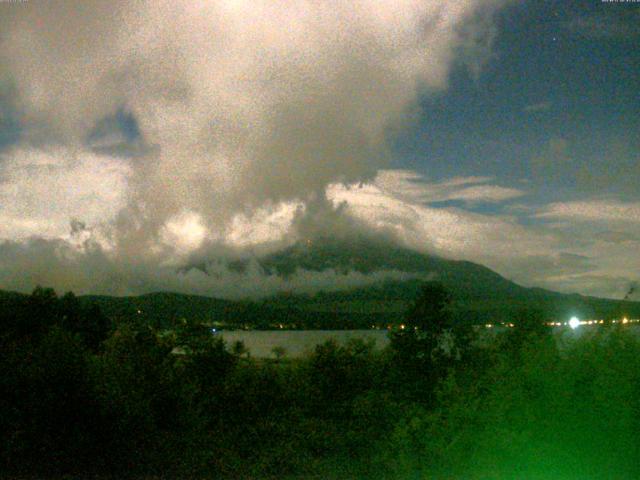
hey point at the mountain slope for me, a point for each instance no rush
(479, 294)
(368, 256)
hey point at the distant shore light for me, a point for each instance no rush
(574, 322)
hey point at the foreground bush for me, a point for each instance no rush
(78, 396)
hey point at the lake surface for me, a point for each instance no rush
(297, 342)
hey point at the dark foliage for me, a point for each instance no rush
(80, 397)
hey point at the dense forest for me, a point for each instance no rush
(81, 395)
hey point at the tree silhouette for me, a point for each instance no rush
(529, 324)
(89, 322)
(423, 349)
(238, 348)
(429, 312)
(279, 352)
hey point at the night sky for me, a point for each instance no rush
(132, 139)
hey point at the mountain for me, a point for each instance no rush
(370, 255)
(479, 295)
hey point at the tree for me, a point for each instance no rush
(279, 352)
(40, 313)
(426, 323)
(529, 324)
(429, 313)
(425, 348)
(92, 326)
(238, 348)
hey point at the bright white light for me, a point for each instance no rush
(574, 322)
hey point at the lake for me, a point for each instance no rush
(297, 342)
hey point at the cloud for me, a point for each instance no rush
(242, 104)
(607, 231)
(486, 193)
(471, 190)
(244, 113)
(247, 102)
(450, 232)
(596, 284)
(614, 236)
(42, 190)
(255, 122)
(92, 270)
(561, 246)
(538, 107)
(559, 252)
(607, 211)
(554, 268)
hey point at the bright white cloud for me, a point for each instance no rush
(265, 225)
(41, 191)
(246, 102)
(246, 110)
(184, 233)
